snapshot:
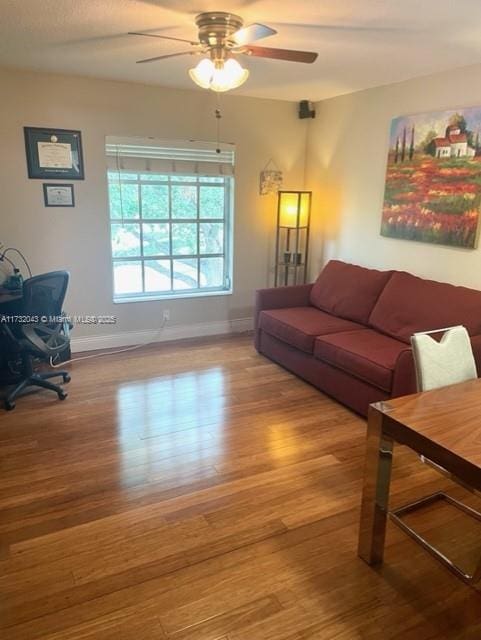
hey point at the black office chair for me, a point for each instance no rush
(43, 297)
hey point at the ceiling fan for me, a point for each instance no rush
(222, 36)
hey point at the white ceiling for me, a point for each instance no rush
(361, 43)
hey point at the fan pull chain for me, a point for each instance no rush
(218, 116)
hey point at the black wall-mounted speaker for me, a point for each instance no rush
(306, 110)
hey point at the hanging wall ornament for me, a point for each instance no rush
(270, 179)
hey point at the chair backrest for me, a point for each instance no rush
(43, 295)
(447, 361)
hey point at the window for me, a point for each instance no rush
(170, 231)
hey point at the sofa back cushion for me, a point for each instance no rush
(348, 291)
(409, 304)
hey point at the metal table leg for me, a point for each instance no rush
(375, 496)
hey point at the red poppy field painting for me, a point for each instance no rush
(433, 179)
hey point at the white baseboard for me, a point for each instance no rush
(177, 332)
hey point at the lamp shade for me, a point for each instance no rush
(219, 75)
(202, 73)
(294, 208)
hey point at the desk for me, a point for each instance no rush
(10, 303)
(9, 296)
(444, 425)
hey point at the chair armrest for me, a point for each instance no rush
(280, 298)
(33, 339)
(44, 339)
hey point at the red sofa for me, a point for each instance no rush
(349, 332)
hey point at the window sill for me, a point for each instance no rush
(173, 296)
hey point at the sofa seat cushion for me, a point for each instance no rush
(348, 291)
(409, 304)
(367, 355)
(299, 326)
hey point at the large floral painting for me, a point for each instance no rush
(433, 180)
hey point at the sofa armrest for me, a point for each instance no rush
(283, 297)
(404, 377)
(280, 298)
(476, 346)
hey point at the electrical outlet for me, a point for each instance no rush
(166, 315)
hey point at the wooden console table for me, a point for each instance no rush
(444, 425)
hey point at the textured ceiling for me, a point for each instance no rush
(361, 43)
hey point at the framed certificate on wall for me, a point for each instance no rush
(54, 153)
(58, 195)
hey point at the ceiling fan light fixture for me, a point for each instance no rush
(202, 73)
(231, 76)
(219, 75)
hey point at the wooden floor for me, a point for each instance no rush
(198, 491)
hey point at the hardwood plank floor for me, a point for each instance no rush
(197, 491)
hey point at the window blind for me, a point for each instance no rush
(190, 157)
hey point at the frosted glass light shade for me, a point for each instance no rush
(294, 206)
(202, 73)
(220, 75)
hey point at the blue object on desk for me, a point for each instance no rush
(14, 282)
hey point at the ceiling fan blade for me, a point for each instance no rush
(169, 55)
(155, 35)
(251, 33)
(340, 27)
(281, 54)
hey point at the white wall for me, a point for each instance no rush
(78, 239)
(346, 164)
(346, 161)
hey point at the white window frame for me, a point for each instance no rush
(196, 180)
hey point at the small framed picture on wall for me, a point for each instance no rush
(58, 195)
(54, 154)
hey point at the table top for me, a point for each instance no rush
(444, 424)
